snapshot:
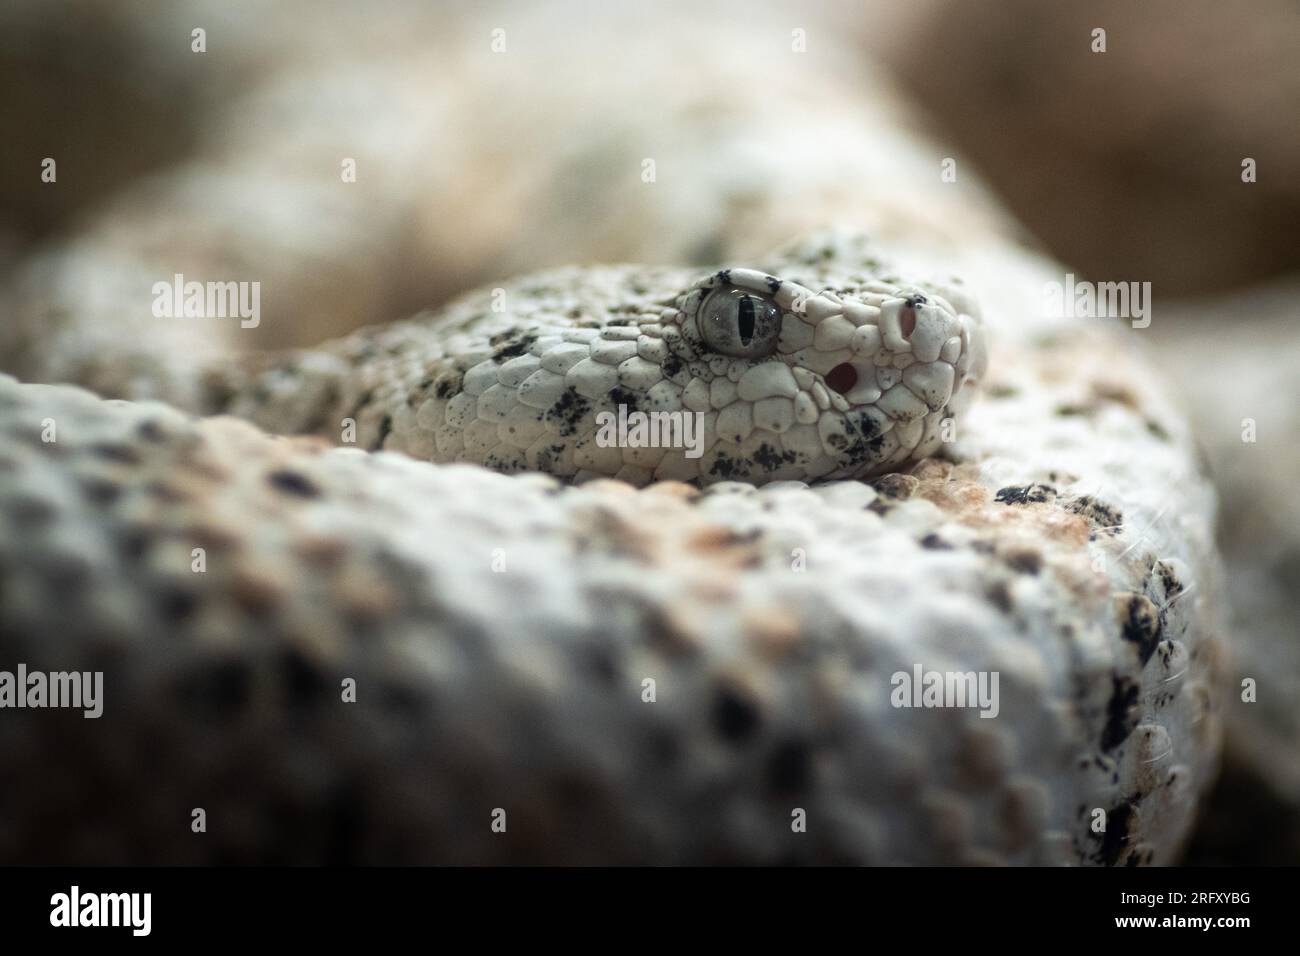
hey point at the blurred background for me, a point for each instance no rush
(1125, 164)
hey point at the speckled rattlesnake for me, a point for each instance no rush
(502, 630)
(773, 684)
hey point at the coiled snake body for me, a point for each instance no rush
(670, 675)
(638, 655)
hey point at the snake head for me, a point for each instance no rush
(847, 383)
(642, 374)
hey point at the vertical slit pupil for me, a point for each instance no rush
(745, 320)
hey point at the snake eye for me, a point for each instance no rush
(739, 323)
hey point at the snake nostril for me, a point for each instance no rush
(907, 317)
(842, 378)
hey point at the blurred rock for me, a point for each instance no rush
(1233, 358)
(1126, 163)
